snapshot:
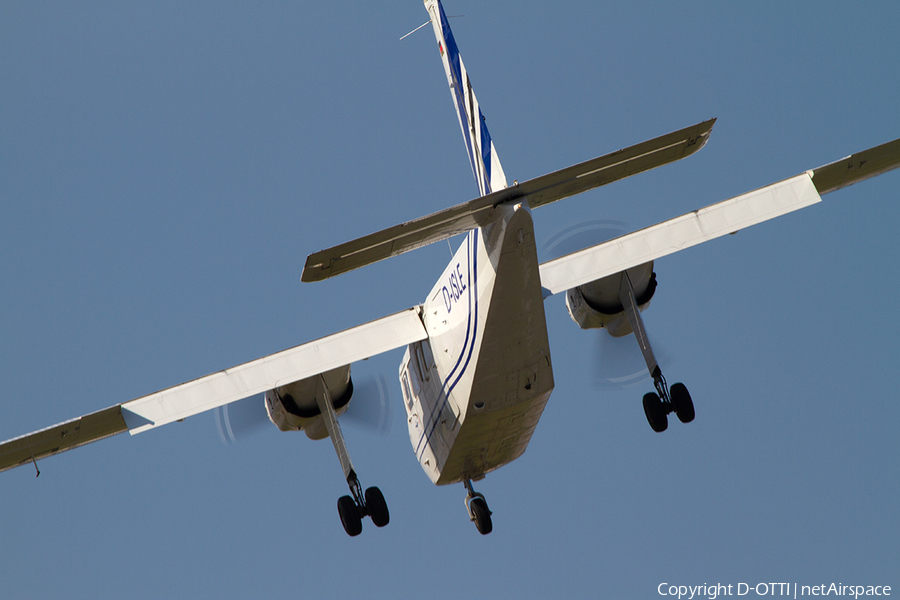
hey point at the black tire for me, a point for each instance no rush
(378, 509)
(350, 518)
(482, 516)
(682, 403)
(656, 416)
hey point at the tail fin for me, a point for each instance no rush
(482, 155)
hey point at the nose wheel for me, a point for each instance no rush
(478, 510)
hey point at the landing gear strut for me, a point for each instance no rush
(656, 405)
(478, 509)
(358, 505)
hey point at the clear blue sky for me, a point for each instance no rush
(166, 167)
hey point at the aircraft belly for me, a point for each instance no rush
(488, 441)
(512, 376)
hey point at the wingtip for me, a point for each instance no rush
(704, 129)
(309, 275)
(314, 269)
(857, 167)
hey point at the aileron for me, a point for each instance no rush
(59, 438)
(857, 167)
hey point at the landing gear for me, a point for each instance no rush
(478, 510)
(377, 507)
(350, 517)
(656, 405)
(657, 409)
(682, 403)
(351, 508)
(656, 412)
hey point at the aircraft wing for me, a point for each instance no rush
(728, 216)
(217, 389)
(857, 167)
(537, 192)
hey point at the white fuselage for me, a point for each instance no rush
(475, 389)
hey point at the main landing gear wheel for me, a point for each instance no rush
(656, 412)
(478, 510)
(350, 517)
(353, 508)
(377, 507)
(682, 403)
(658, 406)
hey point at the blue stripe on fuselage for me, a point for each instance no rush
(467, 349)
(473, 314)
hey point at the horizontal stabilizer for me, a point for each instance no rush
(537, 192)
(618, 165)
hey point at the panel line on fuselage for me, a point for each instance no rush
(467, 349)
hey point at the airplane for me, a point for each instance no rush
(477, 371)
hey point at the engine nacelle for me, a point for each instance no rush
(293, 407)
(596, 304)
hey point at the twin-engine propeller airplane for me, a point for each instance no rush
(477, 370)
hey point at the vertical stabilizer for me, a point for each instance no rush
(482, 155)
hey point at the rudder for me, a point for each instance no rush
(482, 154)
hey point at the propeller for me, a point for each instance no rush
(371, 406)
(241, 419)
(582, 235)
(618, 362)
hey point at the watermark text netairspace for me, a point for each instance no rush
(791, 590)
